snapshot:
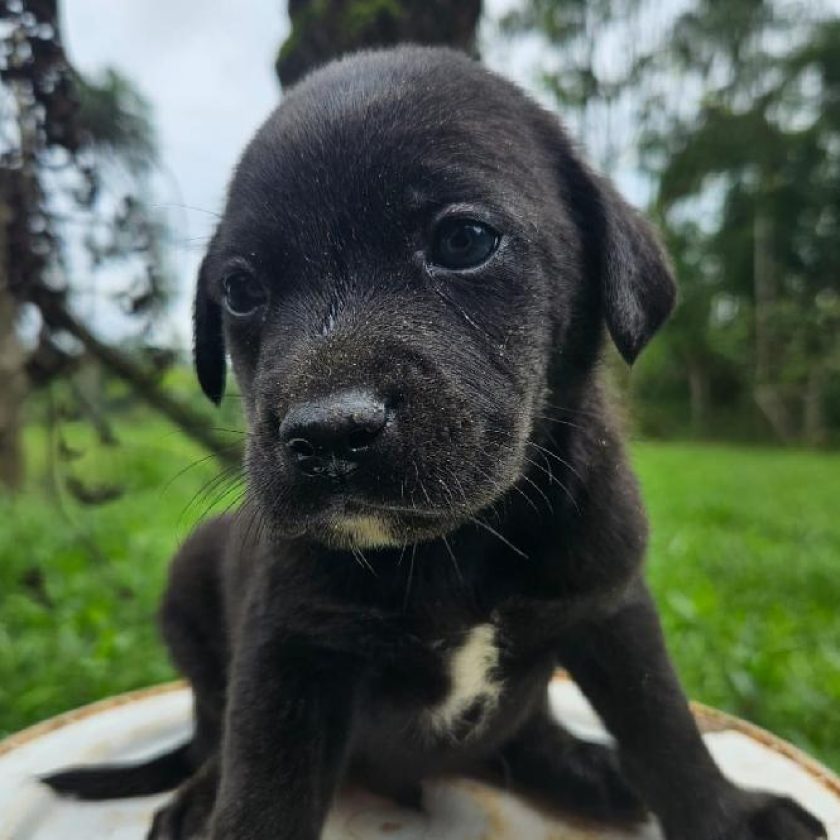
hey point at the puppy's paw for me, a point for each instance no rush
(749, 815)
(590, 782)
(571, 775)
(179, 820)
(187, 815)
(769, 817)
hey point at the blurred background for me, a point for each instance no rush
(119, 125)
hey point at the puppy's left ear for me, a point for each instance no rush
(209, 339)
(623, 253)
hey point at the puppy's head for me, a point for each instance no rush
(410, 256)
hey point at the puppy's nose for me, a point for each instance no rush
(332, 435)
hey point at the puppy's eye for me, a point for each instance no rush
(243, 293)
(463, 243)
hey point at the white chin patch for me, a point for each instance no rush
(473, 674)
(364, 532)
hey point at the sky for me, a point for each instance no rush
(208, 71)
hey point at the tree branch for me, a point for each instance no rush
(191, 422)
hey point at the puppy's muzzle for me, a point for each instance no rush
(333, 436)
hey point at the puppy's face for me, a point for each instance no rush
(408, 255)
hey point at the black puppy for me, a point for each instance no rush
(413, 274)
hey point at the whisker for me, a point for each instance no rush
(494, 510)
(410, 576)
(170, 205)
(364, 562)
(560, 422)
(448, 492)
(499, 536)
(239, 494)
(565, 409)
(538, 489)
(557, 458)
(498, 486)
(454, 559)
(198, 462)
(236, 500)
(356, 559)
(552, 479)
(212, 494)
(255, 524)
(240, 432)
(425, 491)
(232, 473)
(460, 486)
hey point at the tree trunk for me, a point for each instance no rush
(13, 384)
(325, 29)
(765, 291)
(767, 394)
(698, 386)
(813, 421)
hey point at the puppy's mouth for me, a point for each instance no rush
(356, 469)
(363, 525)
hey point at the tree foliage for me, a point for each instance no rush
(77, 229)
(326, 29)
(728, 112)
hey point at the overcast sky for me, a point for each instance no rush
(207, 70)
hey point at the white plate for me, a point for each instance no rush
(143, 723)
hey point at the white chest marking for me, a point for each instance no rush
(473, 677)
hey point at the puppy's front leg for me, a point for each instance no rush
(622, 665)
(290, 711)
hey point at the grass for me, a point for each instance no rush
(745, 563)
(79, 585)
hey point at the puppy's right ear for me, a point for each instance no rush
(621, 252)
(637, 287)
(209, 339)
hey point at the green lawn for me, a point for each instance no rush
(745, 563)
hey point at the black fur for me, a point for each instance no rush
(317, 625)
(209, 348)
(110, 781)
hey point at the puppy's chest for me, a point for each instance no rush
(455, 681)
(475, 682)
